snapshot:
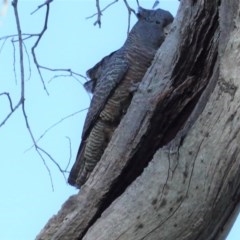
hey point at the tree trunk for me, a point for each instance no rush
(171, 170)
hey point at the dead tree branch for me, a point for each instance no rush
(40, 35)
(9, 99)
(56, 124)
(70, 153)
(100, 11)
(40, 6)
(17, 41)
(21, 102)
(130, 11)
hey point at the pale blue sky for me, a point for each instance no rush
(71, 41)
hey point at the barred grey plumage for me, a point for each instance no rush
(112, 81)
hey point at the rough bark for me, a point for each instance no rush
(182, 128)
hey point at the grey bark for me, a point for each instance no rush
(191, 187)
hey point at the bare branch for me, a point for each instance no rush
(48, 170)
(28, 58)
(70, 152)
(71, 73)
(22, 97)
(39, 150)
(27, 35)
(3, 45)
(110, 4)
(14, 3)
(9, 99)
(100, 11)
(10, 114)
(40, 6)
(52, 159)
(55, 124)
(130, 11)
(36, 44)
(14, 61)
(65, 75)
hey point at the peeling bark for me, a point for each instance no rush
(174, 173)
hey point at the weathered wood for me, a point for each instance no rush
(191, 187)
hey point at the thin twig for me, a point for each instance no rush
(106, 7)
(36, 44)
(22, 98)
(74, 77)
(55, 124)
(28, 36)
(29, 64)
(52, 159)
(46, 166)
(40, 6)
(9, 99)
(3, 45)
(19, 38)
(70, 153)
(100, 11)
(65, 76)
(15, 35)
(14, 3)
(14, 62)
(64, 70)
(130, 11)
(10, 114)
